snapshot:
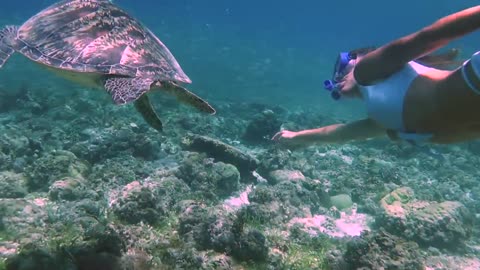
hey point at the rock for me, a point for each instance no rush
(347, 225)
(443, 225)
(220, 262)
(341, 201)
(300, 197)
(98, 144)
(120, 170)
(272, 159)
(221, 151)
(148, 201)
(444, 262)
(382, 251)
(209, 228)
(211, 179)
(261, 194)
(12, 185)
(250, 246)
(67, 189)
(52, 167)
(23, 219)
(278, 176)
(213, 228)
(137, 203)
(397, 206)
(262, 127)
(33, 260)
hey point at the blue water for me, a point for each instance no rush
(274, 52)
(270, 51)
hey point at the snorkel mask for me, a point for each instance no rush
(342, 67)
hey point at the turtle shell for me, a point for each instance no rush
(96, 36)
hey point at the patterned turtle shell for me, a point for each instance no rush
(95, 36)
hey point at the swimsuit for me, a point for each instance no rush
(474, 64)
(385, 101)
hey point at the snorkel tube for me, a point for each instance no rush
(343, 60)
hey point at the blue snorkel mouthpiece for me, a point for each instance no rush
(331, 86)
(343, 61)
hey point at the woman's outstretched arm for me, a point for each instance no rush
(390, 58)
(337, 133)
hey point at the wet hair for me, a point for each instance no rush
(362, 51)
(447, 59)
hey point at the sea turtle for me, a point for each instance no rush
(96, 43)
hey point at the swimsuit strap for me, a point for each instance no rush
(474, 65)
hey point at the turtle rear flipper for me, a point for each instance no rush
(7, 34)
(144, 107)
(125, 90)
(187, 97)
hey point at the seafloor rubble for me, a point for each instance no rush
(87, 185)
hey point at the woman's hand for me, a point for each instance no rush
(288, 138)
(284, 134)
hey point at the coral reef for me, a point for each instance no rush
(262, 127)
(84, 185)
(443, 225)
(382, 250)
(221, 152)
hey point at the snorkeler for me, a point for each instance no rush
(406, 97)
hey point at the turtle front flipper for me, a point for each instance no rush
(187, 97)
(125, 90)
(7, 35)
(144, 107)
